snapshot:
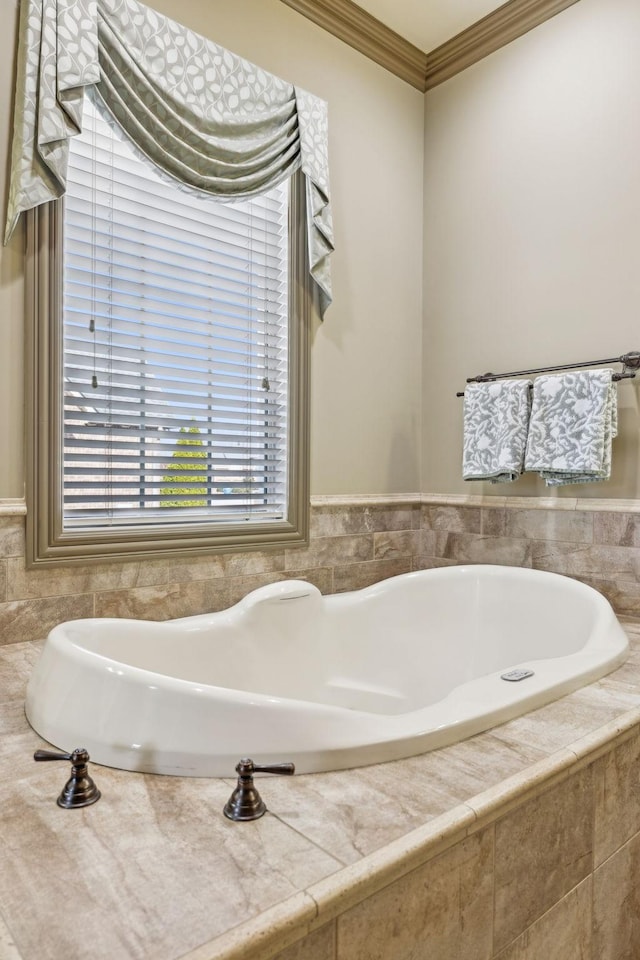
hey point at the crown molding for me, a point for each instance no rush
(350, 23)
(497, 29)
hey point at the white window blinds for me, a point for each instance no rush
(175, 344)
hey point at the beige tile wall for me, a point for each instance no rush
(351, 546)
(601, 548)
(554, 877)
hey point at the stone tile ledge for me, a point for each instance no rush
(532, 503)
(13, 508)
(367, 500)
(18, 508)
(477, 500)
(265, 936)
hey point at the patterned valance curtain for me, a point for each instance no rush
(205, 116)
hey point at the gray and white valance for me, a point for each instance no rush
(206, 117)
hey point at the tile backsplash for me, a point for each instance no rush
(353, 544)
(599, 547)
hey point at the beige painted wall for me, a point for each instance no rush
(532, 226)
(366, 363)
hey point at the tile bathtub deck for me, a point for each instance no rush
(155, 871)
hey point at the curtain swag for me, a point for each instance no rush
(206, 117)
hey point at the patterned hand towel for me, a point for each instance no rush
(574, 418)
(496, 418)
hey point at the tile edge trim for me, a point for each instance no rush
(17, 507)
(13, 508)
(532, 503)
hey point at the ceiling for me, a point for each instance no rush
(428, 23)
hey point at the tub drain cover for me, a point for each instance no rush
(514, 675)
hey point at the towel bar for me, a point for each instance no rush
(630, 365)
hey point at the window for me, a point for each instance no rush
(169, 363)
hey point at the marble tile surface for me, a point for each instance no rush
(617, 798)
(24, 620)
(563, 933)
(616, 904)
(178, 874)
(328, 521)
(587, 560)
(396, 543)
(208, 567)
(535, 866)
(26, 584)
(628, 675)
(351, 816)
(451, 519)
(476, 548)
(508, 795)
(264, 935)
(355, 576)
(12, 543)
(619, 529)
(559, 723)
(319, 945)
(442, 909)
(330, 551)
(166, 602)
(252, 562)
(423, 562)
(16, 664)
(563, 525)
(379, 870)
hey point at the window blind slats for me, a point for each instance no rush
(124, 397)
(176, 402)
(135, 200)
(153, 318)
(193, 254)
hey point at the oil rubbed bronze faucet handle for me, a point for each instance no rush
(51, 755)
(80, 789)
(245, 803)
(284, 769)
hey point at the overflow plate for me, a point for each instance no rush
(514, 675)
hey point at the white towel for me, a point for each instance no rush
(574, 418)
(496, 418)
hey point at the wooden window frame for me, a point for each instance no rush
(48, 543)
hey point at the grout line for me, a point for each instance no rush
(341, 863)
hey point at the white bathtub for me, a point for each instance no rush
(407, 665)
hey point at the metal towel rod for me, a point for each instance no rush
(630, 365)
